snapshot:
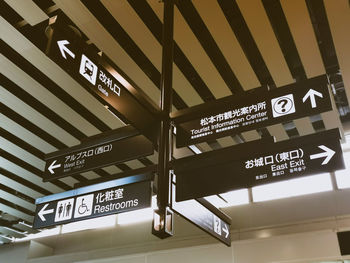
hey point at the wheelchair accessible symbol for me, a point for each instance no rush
(83, 205)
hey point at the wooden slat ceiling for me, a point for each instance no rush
(222, 47)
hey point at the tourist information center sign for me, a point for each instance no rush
(256, 109)
(256, 163)
(114, 200)
(103, 151)
(215, 224)
(94, 74)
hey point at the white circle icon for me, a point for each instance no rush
(283, 105)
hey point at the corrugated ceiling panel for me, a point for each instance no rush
(227, 42)
(23, 80)
(339, 20)
(28, 10)
(22, 45)
(102, 39)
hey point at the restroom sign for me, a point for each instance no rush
(114, 200)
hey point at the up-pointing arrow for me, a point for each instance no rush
(225, 229)
(53, 166)
(311, 94)
(43, 212)
(62, 46)
(328, 153)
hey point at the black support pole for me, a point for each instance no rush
(162, 223)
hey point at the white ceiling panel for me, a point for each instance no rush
(339, 20)
(15, 212)
(36, 118)
(306, 126)
(128, 33)
(48, 67)
(16, 200)
(278, 132)
(28, 84)
(300, 26)
(103, 40)
(22, 154)
(227, 42)
(28, 10)
(25, 135)
(19, 187)
(13, 168)
(259, 25)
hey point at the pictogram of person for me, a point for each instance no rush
(60, 210)
(68, 208)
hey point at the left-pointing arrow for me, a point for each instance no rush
(53, 166)
(62, 46)
(328, 153)
(43, 212)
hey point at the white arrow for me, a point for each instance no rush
(328, 153)
(62, 46)
(311, 94)
(43, 212)
(225, 229)
(53, 166)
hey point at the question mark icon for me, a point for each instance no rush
(283, 103)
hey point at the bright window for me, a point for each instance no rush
(232, 198)
(343, 176)
(294, 187)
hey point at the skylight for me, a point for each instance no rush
(294, 187)
(343, 176)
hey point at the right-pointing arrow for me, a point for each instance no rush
(328, 153)
(43, 212)
(62, 46)
(225, 229)
(311, 94)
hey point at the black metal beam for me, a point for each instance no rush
(51, 86)
(208, 43)
(24, 182)
(30, 168)
(143, 170)
(238, 25)
(154, 24)
(120, 35)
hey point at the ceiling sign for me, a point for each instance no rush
(114, 200)
(215, 224)
(76, 58)
(256, 163)
(108, 148)
(256, 109)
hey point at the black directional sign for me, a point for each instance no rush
(215, 224)
(115, 200)
(256, 109)
(99, 78)
(257, 162)
(116, 146)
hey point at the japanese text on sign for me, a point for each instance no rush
(231, 119)
(280, 163)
